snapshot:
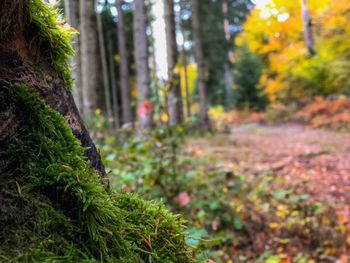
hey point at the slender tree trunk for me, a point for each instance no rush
(184, 65)
(145, 105)
(228, 77)
(123, 66)
(71, 8)
(24, 60)
(309, 38)
(89, 58)
(201, 71)
(114, 87)
(175, 105)
(103, 55)
(155, 85)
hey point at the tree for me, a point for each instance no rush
(201, 81)
(175, 103)
(309, 38)
(248, 69)
(145, 105)
(104, 63)
(71, 9)
(54, 205)
(123, 66)
(89, 56)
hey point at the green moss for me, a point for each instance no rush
(57, 210)
(52, 37)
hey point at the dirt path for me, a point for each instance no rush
(294, 152)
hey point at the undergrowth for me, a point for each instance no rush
(232, 217)
(56, 210)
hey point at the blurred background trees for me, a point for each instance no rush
(229, 53)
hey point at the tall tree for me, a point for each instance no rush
(124, 65)
(308, 34)
(175, 97)
(184, 65)
(114, 86)
(145, 105)
(104, 63)
(71, 9)
(89, 56)
(201, 80)
(228, 81)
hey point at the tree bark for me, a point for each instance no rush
(201, 71)
(24, 61)
(89, 57)
(175, 104)
(145, 105)
(308, 34)
(123, 66)
(104, 63)
(71, 8)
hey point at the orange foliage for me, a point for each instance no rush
(323, 113)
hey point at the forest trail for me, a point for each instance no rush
(320, 158)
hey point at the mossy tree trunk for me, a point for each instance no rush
(53, 206)
(28, 57)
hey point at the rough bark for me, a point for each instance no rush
(145, 105)
(89, 58)
(175, 97)
(71, 8)
(104, 63)
(23, 61)
(308, 34)
(123, 66)
(201, 71)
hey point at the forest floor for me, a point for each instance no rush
(320, 158)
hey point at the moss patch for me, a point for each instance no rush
(52, 37)
(55, 208)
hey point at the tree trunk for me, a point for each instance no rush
(228, 77)
(201, 71)
(103, 55)
(114, 87)
(184, 65)
(123, 66)
(145, 105)
(29, 59)
(309, 38)
(71, 8)
(89, 57)
(175, 97)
